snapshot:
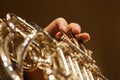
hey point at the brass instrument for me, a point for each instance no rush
(25, 47)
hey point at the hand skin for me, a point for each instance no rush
(54, 28)
(60, 24)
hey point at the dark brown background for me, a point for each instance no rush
(100, 18)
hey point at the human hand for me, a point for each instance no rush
(60, 24)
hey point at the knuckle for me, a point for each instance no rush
(60, 19)
(74, 24)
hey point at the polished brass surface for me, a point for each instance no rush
(25, 47)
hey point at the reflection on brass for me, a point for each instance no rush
(25, 47)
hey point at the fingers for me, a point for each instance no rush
(75, 28)
(60, 24)
(57, 25)
(85, 37)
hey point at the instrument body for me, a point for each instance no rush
(25, 47)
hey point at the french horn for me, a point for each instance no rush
(25, 47)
